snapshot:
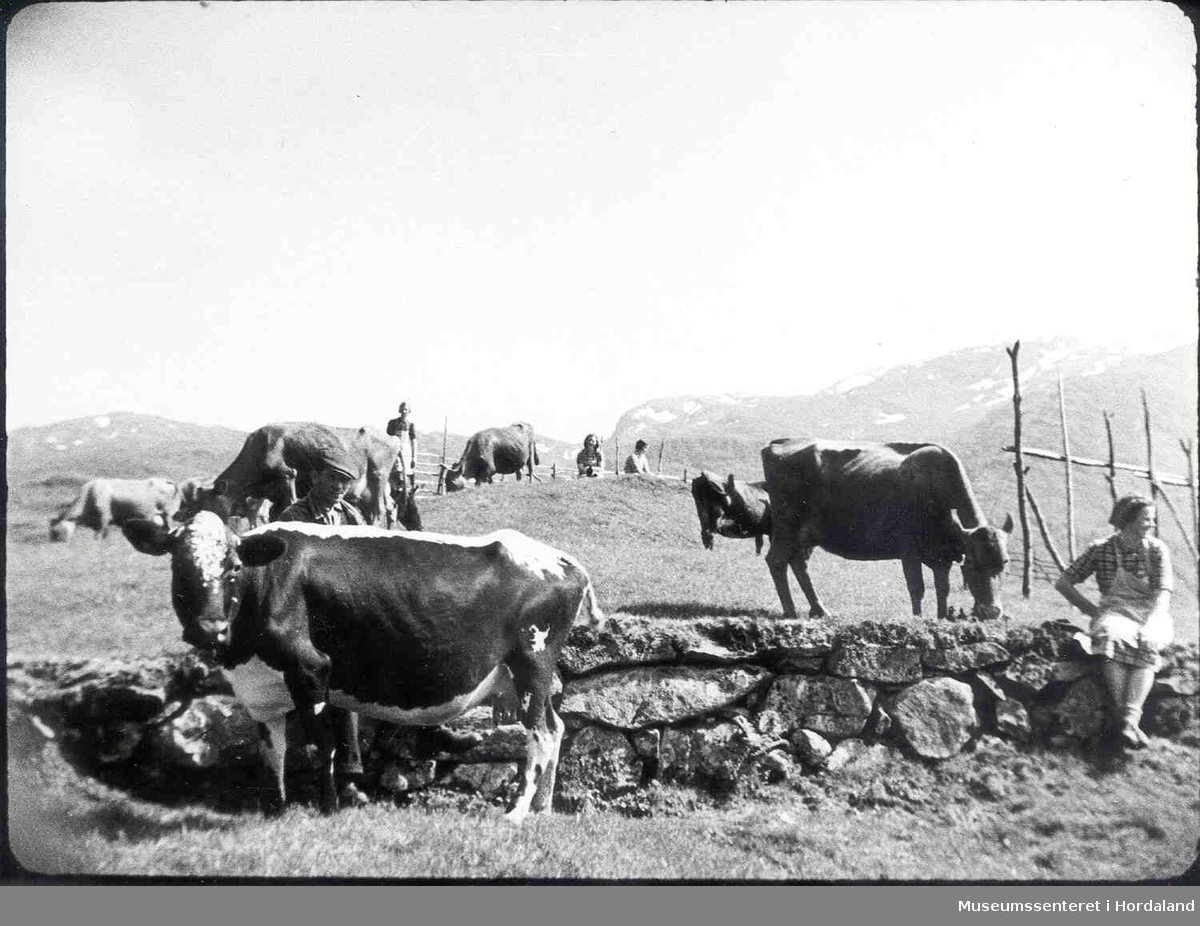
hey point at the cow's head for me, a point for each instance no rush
(206, 561)
(61, 529)
(985, 555)
(453, 480)
(711, 505)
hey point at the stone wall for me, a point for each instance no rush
(708, 703)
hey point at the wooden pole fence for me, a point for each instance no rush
(1189, 451)
(1161, 478)
(1019, 467)
(1041, 523)
(1112, 460)
(1154, 488)
(1062, 417)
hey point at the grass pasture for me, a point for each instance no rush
(1002, 813)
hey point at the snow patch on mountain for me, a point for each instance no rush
(649, 412)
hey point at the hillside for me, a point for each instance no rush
(127, 445)
(947, 399)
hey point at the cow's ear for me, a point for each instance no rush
(148, 536)
(1008, 524)
(260, 549)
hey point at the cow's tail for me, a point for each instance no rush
(589, 613)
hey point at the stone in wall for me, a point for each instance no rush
(626, 640)
(1012, 720)
(711, 755)
(811, 747)
(875, 662)
(936, 717)
(1176, 716)
(831, 706)
(645, 697)
(496, 781)
(600, 760)
(400, 775)
(1078, 715)
(955, 660)
(211, 731)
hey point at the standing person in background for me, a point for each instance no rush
(1131, 623)
(637, 462)
(402, 427)
(590, 460)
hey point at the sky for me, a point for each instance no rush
(237, 213)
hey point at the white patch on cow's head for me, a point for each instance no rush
(537, 638)
(525, 699)
(204, 544)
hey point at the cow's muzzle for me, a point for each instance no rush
(208, 635)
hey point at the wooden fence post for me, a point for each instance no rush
(553, 470)
(1154, 489)
(1019, 466)
(685, 474)
(1189, 451)
(1112, 459)
(1062, 418)
(1037, 514)
(662, 443)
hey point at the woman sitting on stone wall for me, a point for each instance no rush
(1131, 623)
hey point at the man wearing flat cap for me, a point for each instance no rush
(326, 503)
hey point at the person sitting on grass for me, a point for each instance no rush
(590, 460)
(1131, 623)
(637, 462)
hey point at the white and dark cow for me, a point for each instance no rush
(495, 451)
(279, 462)
(910, 502)
(102, 503)
(411, 628)
(732, 509)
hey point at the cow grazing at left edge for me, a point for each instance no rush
(732, 509)
(865, 501)
(411, 628)
(102, 503)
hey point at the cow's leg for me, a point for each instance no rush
(307, 679)
(276, 729)
(915, 582)
(941, 587)
(545, 790)
(777, 563)
(533, 676)
(800, 568)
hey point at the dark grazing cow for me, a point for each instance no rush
(412, 628)
(104, 502)
(733, 509)
(492, 451)
(279, 461)
(910, 502)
